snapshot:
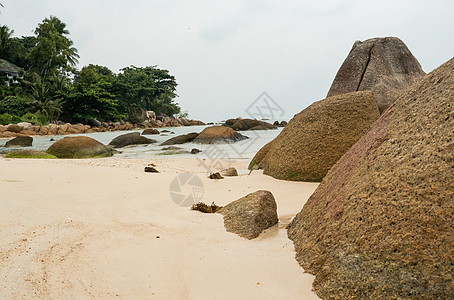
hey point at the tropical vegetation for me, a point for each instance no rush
(40, 82)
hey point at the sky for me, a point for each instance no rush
(226, 54)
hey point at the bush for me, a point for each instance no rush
(6, 119)
(14, 105)
(36, 118)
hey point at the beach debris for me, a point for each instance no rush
(251, 215)
(151, 169)
(229, 172)
(208, 209)
(195, 151)
(215, 176)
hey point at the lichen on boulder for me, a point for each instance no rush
(380, 224)
(317, 137)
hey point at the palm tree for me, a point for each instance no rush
(45, 99)
(5, 38)
(71, 52)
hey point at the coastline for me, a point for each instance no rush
(105, 228)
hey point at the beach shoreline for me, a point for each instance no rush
(102, 228)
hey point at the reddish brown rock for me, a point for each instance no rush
(380, 225)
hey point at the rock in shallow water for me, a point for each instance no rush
(20, 141)
(133, 138)
(219, 135)
(79, 147)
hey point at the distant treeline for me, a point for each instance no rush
(47, 87)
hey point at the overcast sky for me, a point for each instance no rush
(224, 54)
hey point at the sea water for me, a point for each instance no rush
(245, 149)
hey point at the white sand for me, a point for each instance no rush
(88, 229)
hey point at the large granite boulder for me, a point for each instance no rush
(133, 138)
(181, 139)
(20, 141)
(219, 135)
(382, 65)
(248, 124)
(79, 147)
(380, 225)
(250, 215)
(317, 137)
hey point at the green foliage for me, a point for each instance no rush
(91, 96)
(50, 88)
(47, 95)
(29, 154)
(36, 118)
(6, 119)
(53, 49)
(147, 88)
(14, 105)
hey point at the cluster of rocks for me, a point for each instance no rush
(162, 120)
(369, 80)
(28, 129)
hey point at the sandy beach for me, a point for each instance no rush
(103, 228)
